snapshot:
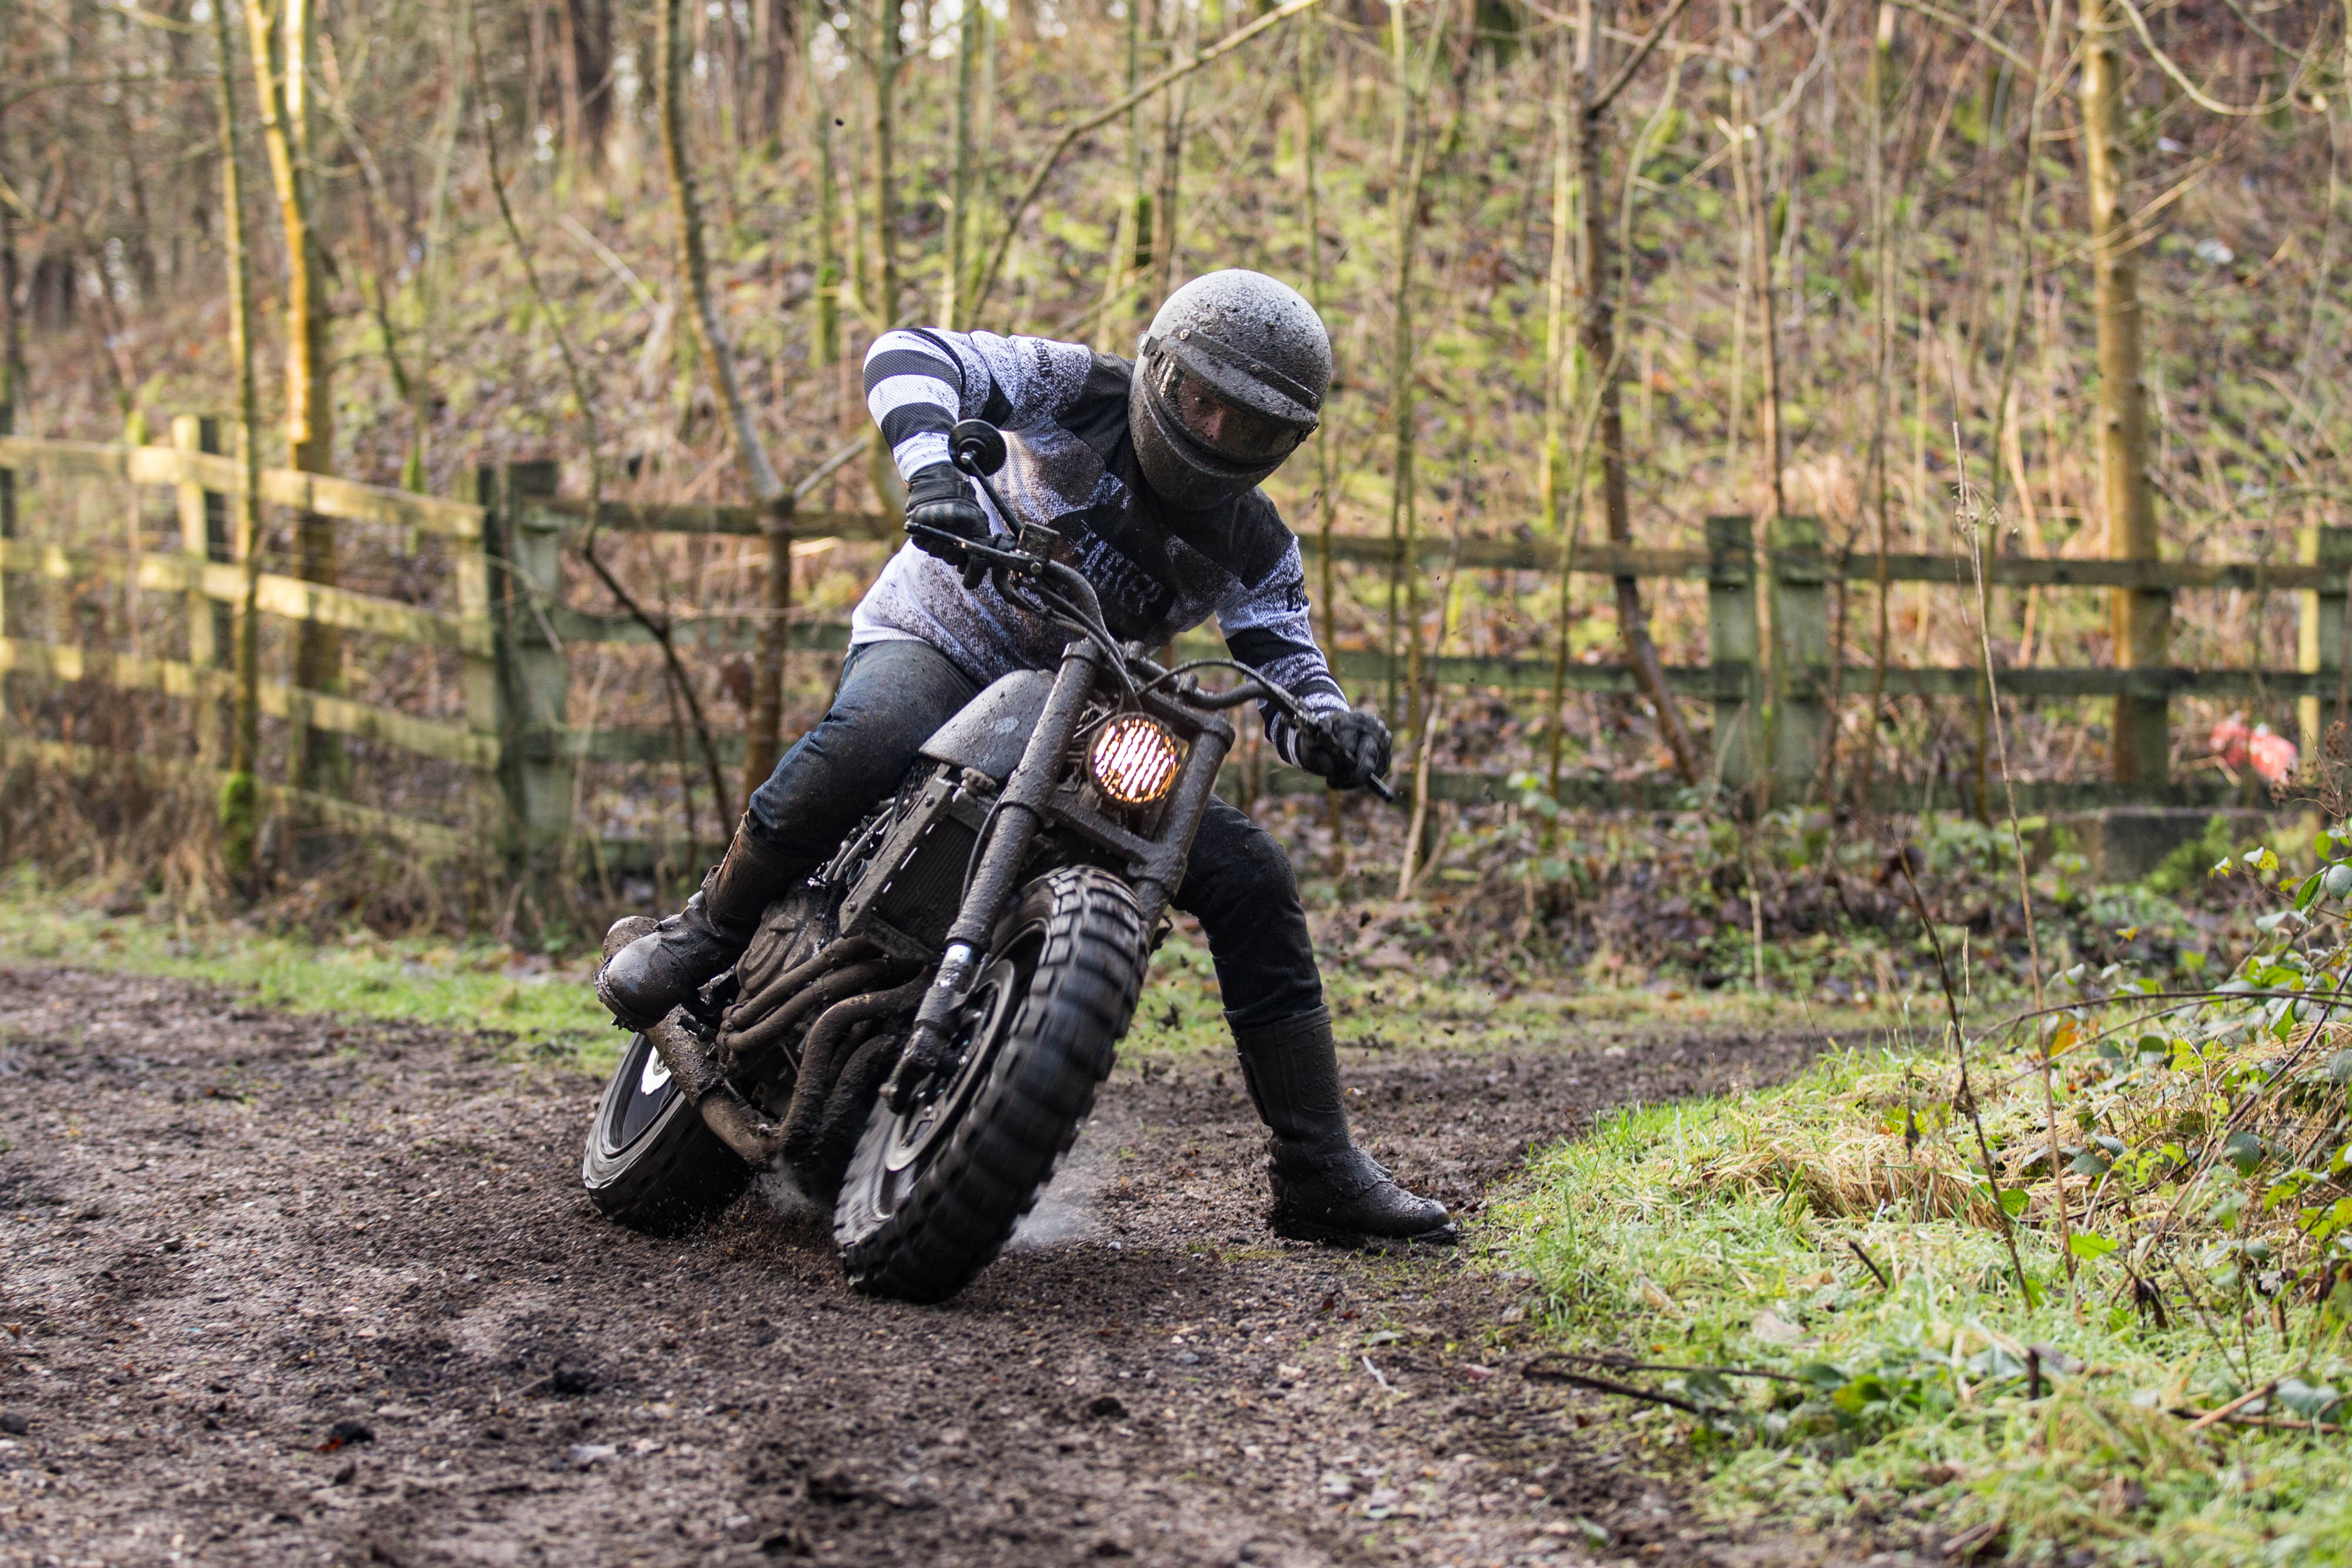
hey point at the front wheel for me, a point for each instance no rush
(932, 1195)
(652, 1163)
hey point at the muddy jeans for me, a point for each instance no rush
(892, 695)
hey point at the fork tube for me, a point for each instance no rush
(1186, 804)
(1018, 813)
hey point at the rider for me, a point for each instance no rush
(1149, 471)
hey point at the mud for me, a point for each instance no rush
(281, 1289)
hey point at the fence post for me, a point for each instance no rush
(204, 534)
(1800, 652)
(8, 602)
(2319, 640)
(1731, 646)
(481, 587)
(542, 779)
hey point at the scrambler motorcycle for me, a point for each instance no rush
(916, 1033)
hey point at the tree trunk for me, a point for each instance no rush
(1327, 503)
(762, 730)
(1171, 152)
(12, 327)
(283, 47)
(1404, 197)
(772, 37)
(239, 804)
(971, 31)
(1882, 370)
(886, 57)
(1131, 245)
(2141, 618)
(828, 231)
(1598, 337)
(586, 48)
(1551, 462)
(1758, 205)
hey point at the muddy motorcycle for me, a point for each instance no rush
(916, 1033)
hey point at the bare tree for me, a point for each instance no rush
(284, 44)
(239, 799)
(2141, 619)
(764, 726)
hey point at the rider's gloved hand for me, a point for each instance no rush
(1349, 748)
(940, 497)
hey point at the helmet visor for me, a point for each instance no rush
(1236, 434)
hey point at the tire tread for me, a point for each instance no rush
(964, 1206)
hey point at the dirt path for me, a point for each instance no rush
(223, 1232)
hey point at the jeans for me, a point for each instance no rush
(1238, 883)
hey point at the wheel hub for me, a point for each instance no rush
(980, 1026)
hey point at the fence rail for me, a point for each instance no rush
(1770, 677)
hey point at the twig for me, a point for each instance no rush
(1375, 1371)
(1966, 1097)
(2212, 1417)
(1876, 1273)
(1603, 1385)
(1536, 1369)
(1973, 534)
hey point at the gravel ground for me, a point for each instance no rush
(283, 1289)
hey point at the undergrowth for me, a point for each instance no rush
(2122, 1332)
(530, 1004)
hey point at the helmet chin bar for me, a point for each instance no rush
(1179, 470)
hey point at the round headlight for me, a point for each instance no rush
(1133, 759)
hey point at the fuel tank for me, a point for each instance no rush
(991, 733)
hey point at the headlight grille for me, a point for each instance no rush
(1133, 759)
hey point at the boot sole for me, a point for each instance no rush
(1445, 1235)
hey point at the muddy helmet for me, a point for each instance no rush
(1228, 381)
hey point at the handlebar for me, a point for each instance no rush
(978, 450)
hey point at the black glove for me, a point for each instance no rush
(1349, 748)
(940, 497)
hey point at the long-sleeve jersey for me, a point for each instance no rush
(1063, 409)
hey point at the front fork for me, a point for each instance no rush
(1020, 812)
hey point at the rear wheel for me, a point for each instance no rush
(933, 1194)
(651, 1162)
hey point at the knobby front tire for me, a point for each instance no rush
(920, 1225)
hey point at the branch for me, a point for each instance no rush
(1102, 116)
(109, 79)
(1962, 25)
(1617, 84)
(1603, 1385)
(2196, 95)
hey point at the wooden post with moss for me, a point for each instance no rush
(7, 519)
(1800, 652)
(475, 564)
(204, 535)
(540, 776)
(2319, 642)
(1733, 653)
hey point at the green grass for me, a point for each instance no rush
(1714, 1234)
(545, 1008)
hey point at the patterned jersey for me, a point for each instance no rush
(1158, 572)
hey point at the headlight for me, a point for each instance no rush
(1133, 761)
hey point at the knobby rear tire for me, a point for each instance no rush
(670, 1176)
(955, 1217)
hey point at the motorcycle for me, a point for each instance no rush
(917, 1032)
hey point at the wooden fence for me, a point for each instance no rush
(506, 622)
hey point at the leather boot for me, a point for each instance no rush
(1325, 1187)
(655, 972)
